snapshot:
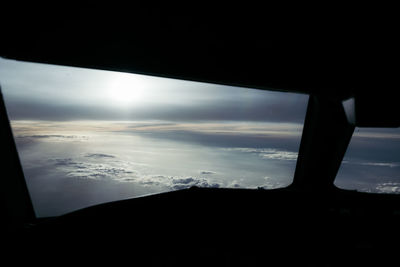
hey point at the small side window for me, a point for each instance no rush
(372, 161)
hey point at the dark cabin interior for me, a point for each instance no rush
(332, 54)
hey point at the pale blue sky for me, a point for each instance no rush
(62, 93)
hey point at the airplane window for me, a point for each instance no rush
(87, 136)
(372, 161)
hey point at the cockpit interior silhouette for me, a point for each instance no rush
(310, 222)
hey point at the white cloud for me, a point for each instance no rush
(389, 187)
(377, 164)
(382, 164)
(99, 155)
(181, 183)
(207, 172)
(270, 183)
(268, 153)
(53, 137)
(235, 185)
(78, 168)
(108, 167)
(175, 183)
(278, 154)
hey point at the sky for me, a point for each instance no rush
(88, 136)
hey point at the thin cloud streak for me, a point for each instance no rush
(267, 153)
(45, 129)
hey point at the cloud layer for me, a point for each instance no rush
(382, 164)
(82, 169)
(99, 155)
(389, 187)
(111, 168)
(233, 153)
(268, 153)
(53, 137)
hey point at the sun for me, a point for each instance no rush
(126, 89)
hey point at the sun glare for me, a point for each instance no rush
(127, 89)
